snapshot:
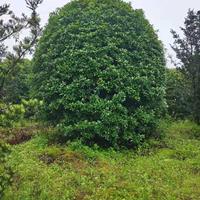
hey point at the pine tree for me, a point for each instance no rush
(11, 27)
(187, 50)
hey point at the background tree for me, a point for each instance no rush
(187, 50)
(17, 84)
(178, 94)
(11, 27)
(99, 67)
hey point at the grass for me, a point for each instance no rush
(160, 170)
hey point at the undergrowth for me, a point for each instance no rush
(167, 169)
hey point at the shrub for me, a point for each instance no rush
(32, 107)
(12, 113)
(5, 172)
(99, 68)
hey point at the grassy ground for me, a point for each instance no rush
(167, 170)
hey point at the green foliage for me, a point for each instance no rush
(12, 27)
(12, 113)
(187, 49)
(183, 129)
(76, 171)
(17, 83)
(178, 94)
(99, 67)
(32, 107)
(5, 172)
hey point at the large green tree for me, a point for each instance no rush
(187, 50)
(99, 68)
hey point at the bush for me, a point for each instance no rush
(5, 172)
(12, 113)
(99, 68)
(32, 107)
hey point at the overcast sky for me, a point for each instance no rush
(163, 14)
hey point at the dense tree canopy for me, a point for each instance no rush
(99, 68)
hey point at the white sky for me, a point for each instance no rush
(163, 14)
